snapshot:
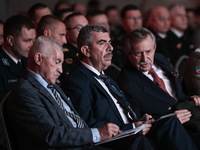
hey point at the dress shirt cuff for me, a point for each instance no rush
(133, 125)
(95, 135)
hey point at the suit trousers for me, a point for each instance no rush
(169, 134)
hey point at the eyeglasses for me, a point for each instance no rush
(134, 18)
(79, 27)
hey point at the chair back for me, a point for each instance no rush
(8, 132)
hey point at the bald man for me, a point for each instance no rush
(158, 23)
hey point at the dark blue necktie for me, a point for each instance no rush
(118, 95)
(76, 118)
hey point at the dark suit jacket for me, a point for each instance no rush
(10, 72)
(38, 120)
(90, 99)
(144, 95)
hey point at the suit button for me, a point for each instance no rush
(169, 108)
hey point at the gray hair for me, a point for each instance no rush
(136, 36)
(44, 45)
(172, 7)
(85, 36)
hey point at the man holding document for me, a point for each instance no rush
(98, 100)
(149, 82)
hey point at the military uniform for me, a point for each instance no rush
(179, 46)
(191, 74)
(10, 72)
(71, 56)
(119, 56)
(162, 45)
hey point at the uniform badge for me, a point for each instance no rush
(69, 60)
(5, 61)
(197, 71)
(12, 80)
(179, 45)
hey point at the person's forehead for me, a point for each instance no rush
(133, 13)
(101, 36)
(78, 20)
(98, 18)
(42, 12)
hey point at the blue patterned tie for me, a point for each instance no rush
(118, 95)
(76, 118)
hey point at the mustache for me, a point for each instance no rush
(57, 74)
(108, 54)
(144, 62)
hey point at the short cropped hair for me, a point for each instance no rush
(67, 19)
(85, 36)
(47, 22)
(31, 11)
(127, 8)
(136, 36)
(93, 13)
(13, 25)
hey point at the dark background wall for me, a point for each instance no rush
(12, 7)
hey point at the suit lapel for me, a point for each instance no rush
(90, 76)
(146, 84)
(47, 95)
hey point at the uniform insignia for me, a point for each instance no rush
(197, 71)
(69, 60)
(175, 74)
(77, 54)
(179, 45)
(5, 61)
(12, 80)
(66, 49)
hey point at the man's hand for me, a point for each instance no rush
(108, 130)
(196, 99)
(147, 123)
(183, 115)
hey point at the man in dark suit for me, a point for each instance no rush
(142, 89)
(42, 115)
(19, 34)
(97, 103)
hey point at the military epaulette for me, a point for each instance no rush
(5, 61)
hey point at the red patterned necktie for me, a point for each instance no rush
(158, 80)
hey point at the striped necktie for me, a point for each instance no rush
(77, 119)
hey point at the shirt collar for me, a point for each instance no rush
(163, 36)
(176, 32)
(92, 68)
(14, 59)
(39, 78)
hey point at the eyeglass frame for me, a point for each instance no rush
(78, 27)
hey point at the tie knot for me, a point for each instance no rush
(50, 86)
(104, 77)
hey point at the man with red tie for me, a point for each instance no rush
(149, 82)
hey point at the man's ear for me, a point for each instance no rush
(10, 40)
(38, 58)
(85, 50)
(47, 32)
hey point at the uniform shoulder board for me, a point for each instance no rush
(5, 61)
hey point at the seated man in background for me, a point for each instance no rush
(97, 98)
(39, 109)
(74, 22)
(37, 11)
(19, 35)
(55, 28)
(149, 82)
(158, 23)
